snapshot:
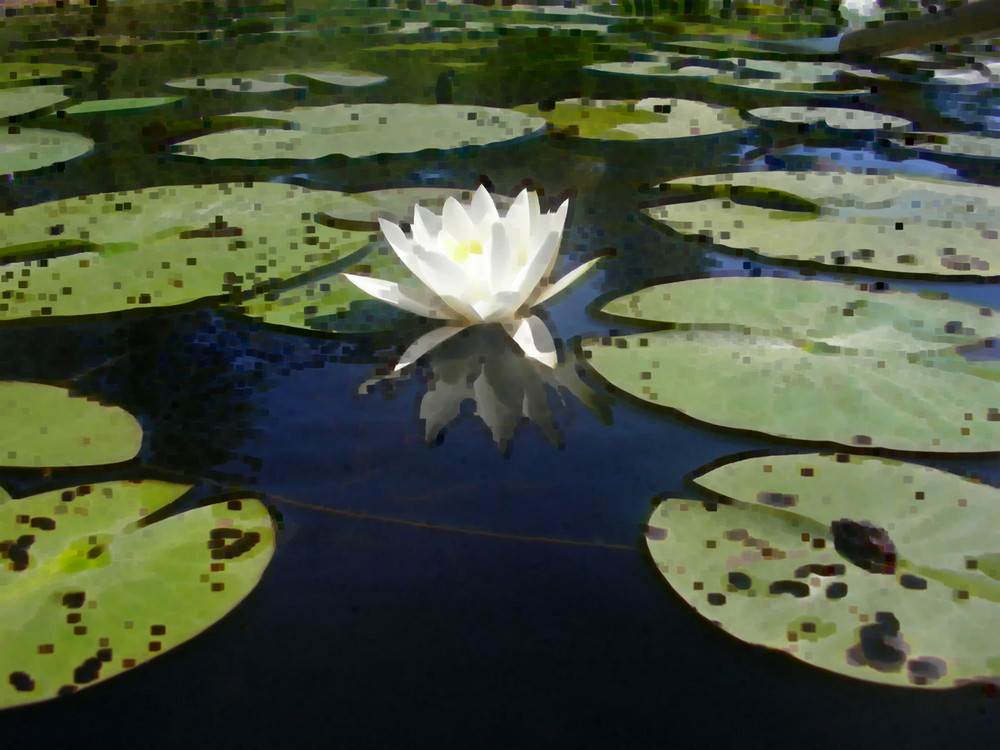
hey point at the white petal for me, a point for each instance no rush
(396, 237)
(518, 225)
(426, 227)
(499, 306)
(411, 299)
(456, 221)
(483, 208)
(547, 292)
(500, 260)
(447, 279)
(534, 339)
(408, 253)
(529, 277)
(425, 343)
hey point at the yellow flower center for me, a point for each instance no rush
(459, 251)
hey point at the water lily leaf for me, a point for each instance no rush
(838, 119)
(647, 119)
(360, 130)
(336, 79)
(674, 67)
(16, 74)
(88, 592)
(27, 149)
(163, 246)
(812, 360)
(879, 570)
(120, 106)
(46, 426)
(239, 83)
(958, 149)
(25, 100)
(885, 223)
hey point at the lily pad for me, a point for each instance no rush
(878, 570)
(46, 426)
(361, 130)
(334, 78)
(949, 148)
(34, 100)
(240, 83)
(89, 591)
(838, 119)
(884, 223)
(163, 246)
(16, 74)
(647, 119)
(813, 360)
(120, 106)
(27, 149)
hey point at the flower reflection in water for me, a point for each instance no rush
(508, 389)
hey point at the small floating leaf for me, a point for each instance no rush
(812, 579)
(87, 592)
(45, 426)
(25, 100)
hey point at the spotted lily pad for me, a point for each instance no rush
(88, 591)
(30, 100)
(879, 570)
(28, 149)
(839, 119)
(120, 106)
(647, 119)
(46, 426)
(361, 130)
(163, 246)
(238, 83)
(959, 149)
(885, 223)
(813, 360)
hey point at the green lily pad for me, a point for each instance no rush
(949, 148)
(120, 106)
(678, 68)
(27, 149)
(813, 360)
(838, 119)
(878, 570)
(360, 130)
(16, 74)
(25, 100)
(334, 78)
(88, 591)
(46, 426)
(163, 246)
(647, 119)
(884, 223)
(239, 83)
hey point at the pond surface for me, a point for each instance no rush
(482, 580)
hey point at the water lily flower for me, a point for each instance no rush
(478, 267)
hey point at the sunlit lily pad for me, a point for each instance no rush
(886, 223)
(239, 83)
(949, 148)
(87, 592)
(46, 426)
(838, 119)
(879, 570)
(813, 360)
(27, 149)
(26, 100)
(647, 119)
(15, 74)
(163, 246)
(120, 106)
(360, 130)
(334, 78)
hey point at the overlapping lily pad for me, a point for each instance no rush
(28, 149)
(884, 223)
(120, 106)
(30, 100)
(47, 426)
(837, 119)
(15, 74)
(959, 149)
(879, 570)
(362, 130)
(647, 119)
(164, 246)
(88, 591)
(814, 361)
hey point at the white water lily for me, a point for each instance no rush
(478, 267)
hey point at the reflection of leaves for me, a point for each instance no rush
(783, 577)
(87, 591)
(811, 361)
(45, 426)
(483, 365)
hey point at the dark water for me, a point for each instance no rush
(445, 594)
